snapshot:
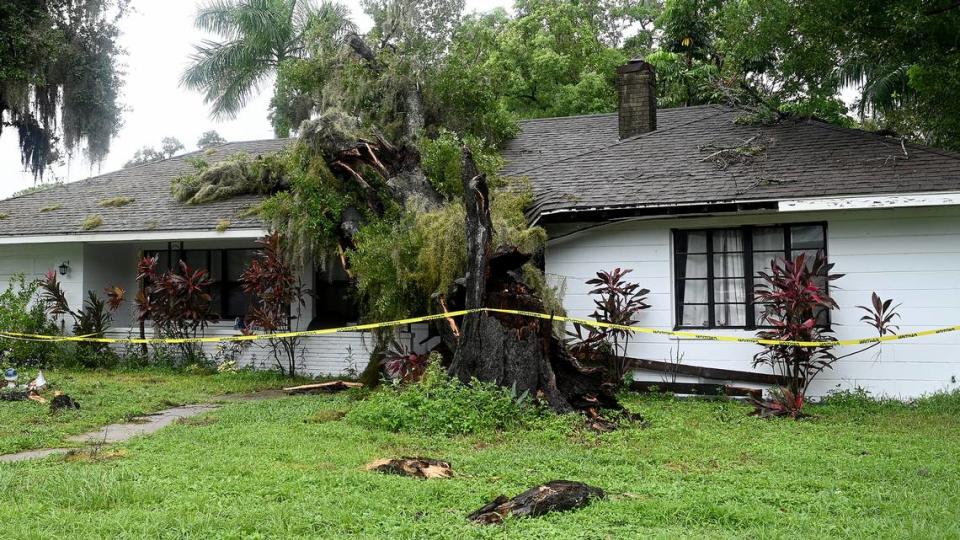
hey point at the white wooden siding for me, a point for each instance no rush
(911, 255)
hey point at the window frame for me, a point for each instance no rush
(220, 286)
(749, 277)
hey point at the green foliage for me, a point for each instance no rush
(400, 263)
(20, 313)
(91, 222)
(237, 175)
(210, 139)
(439, 405)
(256, 37)
(441, 159)
(60, 77)
(51, 208)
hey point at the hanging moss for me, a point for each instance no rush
(223, 225)
(3, 216)
(400, 263)
(92, 222)
(116, 202)
(51, 208)
(238, 175)
(151, 225)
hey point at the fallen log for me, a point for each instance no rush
(415, 467)
(707, 372)
(699, 389)
(554, 496)
(330, 387)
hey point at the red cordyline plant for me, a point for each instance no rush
(617, 301)
(403, 365)
(796, 295)
(275, 293)
(179, 303)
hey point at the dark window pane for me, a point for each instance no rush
(695, 291)
(727, 240)
(729, 290)
(730, 314)
(806, 237)
(728, 265)
(693, 315)
(216, 265)
(768, 238)
(237, 302)
(197, 260)
(692, 266)
(810, 255)
(691, 242)
(237, 262)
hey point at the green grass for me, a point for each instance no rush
(293, 467)
(112, 396)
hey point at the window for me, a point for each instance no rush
(716, 270)
(225, 267)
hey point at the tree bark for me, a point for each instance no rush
(512, 351)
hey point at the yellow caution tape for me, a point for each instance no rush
(534, 314)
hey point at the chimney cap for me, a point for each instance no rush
(635, 64)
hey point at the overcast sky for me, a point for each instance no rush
(158, 38)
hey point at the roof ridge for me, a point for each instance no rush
(922, 147)
(614, 113)
(628, 139)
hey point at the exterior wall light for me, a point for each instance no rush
(64, 268)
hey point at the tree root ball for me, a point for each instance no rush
(554, 496)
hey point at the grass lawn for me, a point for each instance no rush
(292, 467)
(112, 396)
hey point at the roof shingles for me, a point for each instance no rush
(578, 164)
(152, 206)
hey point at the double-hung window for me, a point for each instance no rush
(716, 270)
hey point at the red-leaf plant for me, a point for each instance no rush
(796, 294)
(617, 301)
(277, 297)
(92, 320)
(403, 365)
(179, 303)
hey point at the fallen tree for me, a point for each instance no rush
(513, 351)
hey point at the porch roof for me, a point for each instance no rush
(59, 212)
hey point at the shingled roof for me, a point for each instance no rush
(704, 156)
(62, 209)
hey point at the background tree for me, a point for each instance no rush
(59, 77)
(210, 139)
(169, 146)
(257, 36)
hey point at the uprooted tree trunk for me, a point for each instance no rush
(513, 351)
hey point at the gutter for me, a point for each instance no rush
(140, 236)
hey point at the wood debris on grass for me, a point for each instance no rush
(322, 388)
(415, 467)
(554, 496)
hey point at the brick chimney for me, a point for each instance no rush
(636, 98)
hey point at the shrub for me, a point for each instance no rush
(439, 405)
(20, 314)
(178, 302)
(92, 319)
(617, 301)
(275, 289)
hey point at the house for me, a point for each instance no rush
(46, 230)
(694, 200)
(697, 200)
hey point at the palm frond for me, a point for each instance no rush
(227, 73)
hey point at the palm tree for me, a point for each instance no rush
(257, 36)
